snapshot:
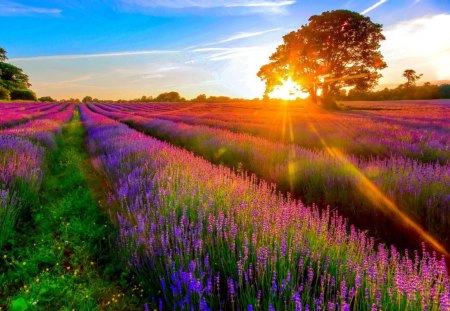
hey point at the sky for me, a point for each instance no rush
(123, 49)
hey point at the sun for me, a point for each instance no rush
(288, 90)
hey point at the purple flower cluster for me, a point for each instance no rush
(15, 113)
(413, 129)
(21, 159)
(421, 190)
(211, 238)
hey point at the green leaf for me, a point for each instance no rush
(20, 304)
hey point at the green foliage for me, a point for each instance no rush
(4, 93)
(20, 304)
(64, 257)
(426, 91)
(3, 56)
(8, 215)
(87, 99)
(12, 77)
(169, 97)
(444, 91)
(46, 99)
(23, 94)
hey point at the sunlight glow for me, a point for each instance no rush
(288, 90)
(376, 196)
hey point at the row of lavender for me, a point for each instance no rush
(207, 238)
(22, 150)
(416, 130)
(420, 190)
(12, 114)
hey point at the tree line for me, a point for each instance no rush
(167, 97)
(406, 91)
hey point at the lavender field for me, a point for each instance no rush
(210, 209)
(225, 155)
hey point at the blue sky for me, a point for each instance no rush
(129, 48)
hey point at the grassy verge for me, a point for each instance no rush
(65, 259)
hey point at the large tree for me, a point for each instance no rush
(334, 50)
(11, 77)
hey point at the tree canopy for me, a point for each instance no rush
(12, 78)
(46, 99)
(23, 94)
(169, 97)
(87, 99)
(412, 77)
(334, 50)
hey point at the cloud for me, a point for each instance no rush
(99, 55)
(243, 35)
(373, 7)
(9, 8)
(218, 6)
(422, 44)
(207, 4)
(193, 49)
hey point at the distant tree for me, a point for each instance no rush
(444, 91)
(145, 99)
(46, 99)
(168, 97)
(201, 98)
(73, 100)
(3, 56)
(23, 94)
(411, 77)
(4, 93)
(87, 99)
(334, 50)
(219, 99)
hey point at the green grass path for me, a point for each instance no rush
(66, 259)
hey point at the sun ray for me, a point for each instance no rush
(288, 90)
(375, 195)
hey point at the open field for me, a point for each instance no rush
(227, 206)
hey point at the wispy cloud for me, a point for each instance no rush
(243, 35)
(203, 48)
(373, 7)
(238, 7)
(98, 55)
(10, 8)
(206, 4)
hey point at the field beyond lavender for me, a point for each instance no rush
(233, 206)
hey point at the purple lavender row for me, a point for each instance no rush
(13, 114)
(22, 151)
(206, 238)
(420, 190)
(382, 133)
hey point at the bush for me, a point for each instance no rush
(4, 93)
(23, 95)
(46, 99)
